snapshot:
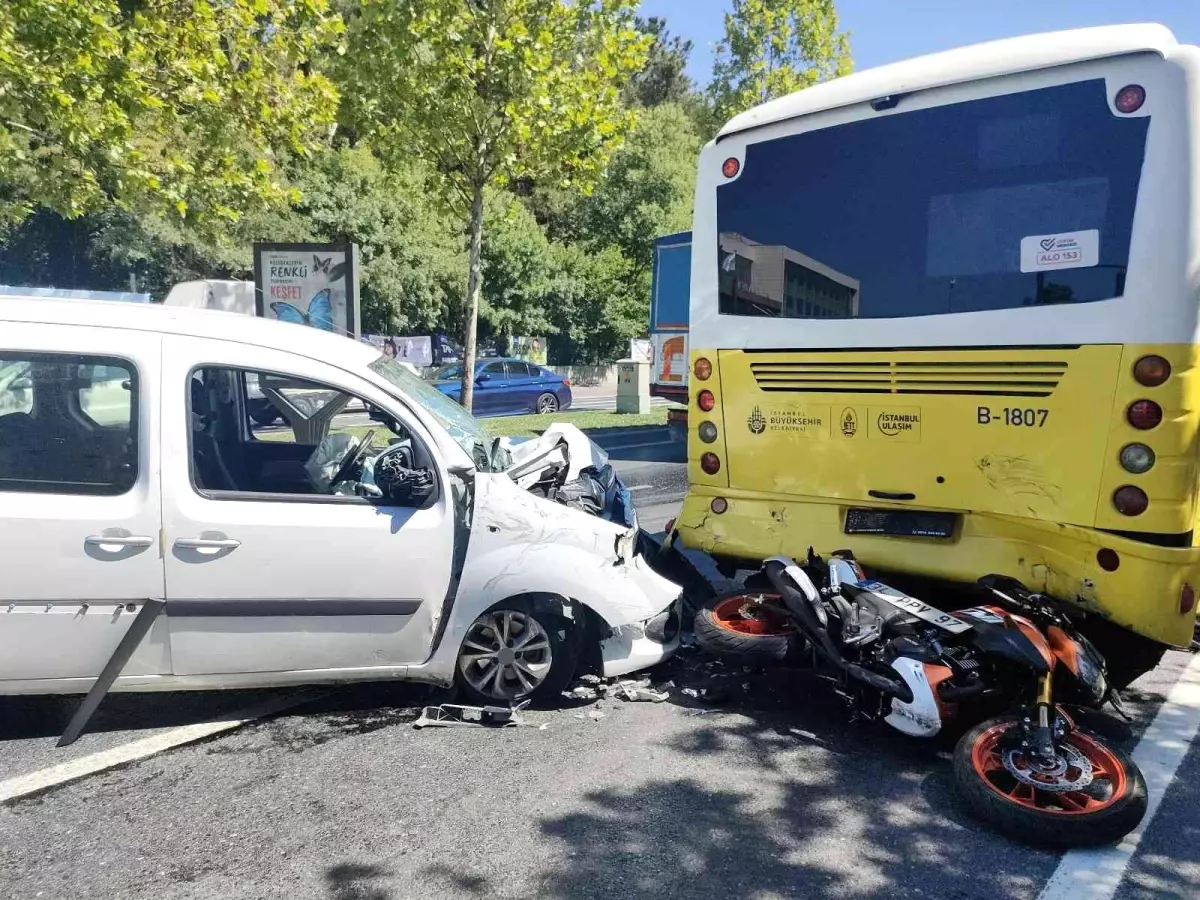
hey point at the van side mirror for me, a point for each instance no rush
(482, 377)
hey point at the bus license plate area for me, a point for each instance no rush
(900, 522)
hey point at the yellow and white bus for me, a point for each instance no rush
(944, 313)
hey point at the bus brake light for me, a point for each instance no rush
(1144, 414)
(706, 401)
(1130, 500)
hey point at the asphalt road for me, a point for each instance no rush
(770, 793)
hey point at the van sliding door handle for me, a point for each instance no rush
(891, 495)
(207, 544)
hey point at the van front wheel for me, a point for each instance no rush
(517, 651)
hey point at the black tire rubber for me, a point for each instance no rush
(1047, 829)
(749, 649)
(549, 411)
(566, 646)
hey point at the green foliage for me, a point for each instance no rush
(493, 91)
(599, 303)
(412, 256)
(181, 108)
(774, 47)
(663, 78)
(488, 91)
(648, 190)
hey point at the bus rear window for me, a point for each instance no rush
(1020, 200)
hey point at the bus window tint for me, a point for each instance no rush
(922, 213)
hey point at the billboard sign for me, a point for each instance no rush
(308, 284)
(530, 349)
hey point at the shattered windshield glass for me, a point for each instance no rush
(464, 428)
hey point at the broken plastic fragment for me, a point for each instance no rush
(453, 714)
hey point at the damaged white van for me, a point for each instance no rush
(156, 538)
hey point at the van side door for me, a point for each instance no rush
(80, 511)
(270, 568)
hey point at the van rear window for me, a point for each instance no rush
(1019, 200)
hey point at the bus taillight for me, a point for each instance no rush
(1144, 414)
(1130, 98)
(706, 401)
(1187, 599)
(1151, 371)
(710, 463)
(702, 369)
(1130, 500)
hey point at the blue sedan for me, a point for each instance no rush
(508, 387)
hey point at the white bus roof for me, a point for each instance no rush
(989, 60)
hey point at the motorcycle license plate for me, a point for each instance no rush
(899, 522)
(912, 605)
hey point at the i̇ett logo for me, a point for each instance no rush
(756, 422)
(849, 422)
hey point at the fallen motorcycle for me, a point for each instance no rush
(1032, 772)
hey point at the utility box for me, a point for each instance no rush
(633, 386)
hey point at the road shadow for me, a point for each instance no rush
(356, 881)
(356, 707)
(811, 806)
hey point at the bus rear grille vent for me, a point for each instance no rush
(997, 379)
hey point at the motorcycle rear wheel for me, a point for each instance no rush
(1101, 812)
(730, 626)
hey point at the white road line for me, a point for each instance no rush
(638, 487)
(54, 776)
(1095, 874)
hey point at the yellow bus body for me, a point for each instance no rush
(1022, 444)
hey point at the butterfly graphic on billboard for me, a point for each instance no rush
(319, 314)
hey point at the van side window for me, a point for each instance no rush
(68, 424)
(266, 433)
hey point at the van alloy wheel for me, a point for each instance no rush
(505, 655)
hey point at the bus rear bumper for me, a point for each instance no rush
(1143, 594)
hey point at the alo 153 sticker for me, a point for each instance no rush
(1068, 250)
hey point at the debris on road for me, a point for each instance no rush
(592, 687)
(453, 714)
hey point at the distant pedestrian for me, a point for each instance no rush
(389, 348)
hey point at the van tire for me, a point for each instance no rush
(541, 615)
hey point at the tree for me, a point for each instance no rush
(183, 108)
(663, 79)
(774, 47)
(648, 190)
(489, 91)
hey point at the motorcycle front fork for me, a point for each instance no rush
(1042, 733)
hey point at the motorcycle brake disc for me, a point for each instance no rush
(1019, 765)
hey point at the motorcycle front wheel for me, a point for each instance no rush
(1093, 794)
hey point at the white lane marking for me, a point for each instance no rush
(54, 776)
(1095, 874)
(638, 487)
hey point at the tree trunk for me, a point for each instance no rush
(474, 288)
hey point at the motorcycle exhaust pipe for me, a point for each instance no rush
(805, 615)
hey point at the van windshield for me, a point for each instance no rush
(1011, 201)
(463, 427)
